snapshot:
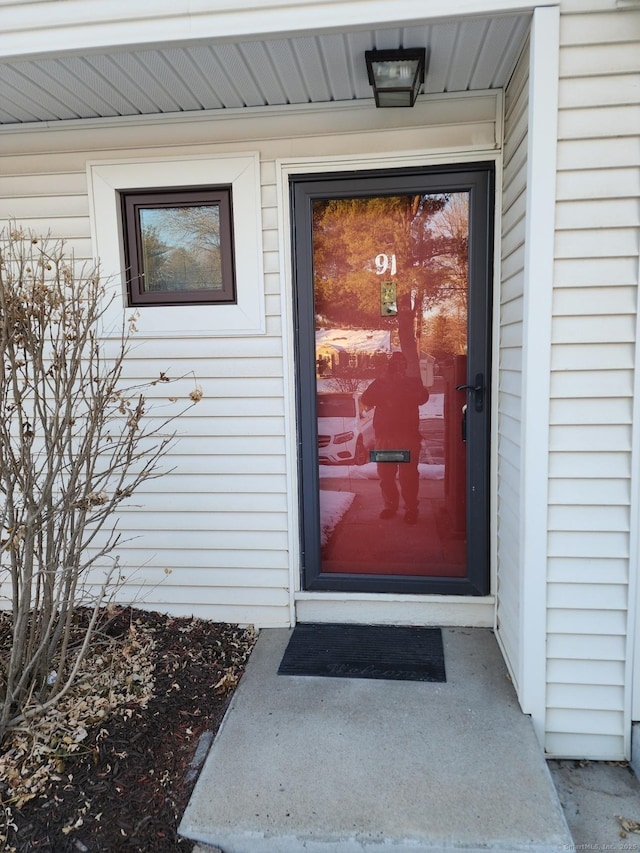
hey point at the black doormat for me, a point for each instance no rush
(365, 651)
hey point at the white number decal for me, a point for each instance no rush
(385, 263)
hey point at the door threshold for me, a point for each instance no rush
(372, 609)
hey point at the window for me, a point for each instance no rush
(238, 173)
(178, 246)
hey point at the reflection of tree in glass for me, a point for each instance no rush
(445, 328)
(181, 247)
(430, 243)
(153, 256)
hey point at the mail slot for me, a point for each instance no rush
(389, 456)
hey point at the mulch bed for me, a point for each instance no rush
(129, 785)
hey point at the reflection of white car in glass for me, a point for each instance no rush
(345, 428)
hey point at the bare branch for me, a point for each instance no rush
(75, 443)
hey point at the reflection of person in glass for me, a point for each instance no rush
(396, 423)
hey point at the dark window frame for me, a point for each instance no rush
(134, 200)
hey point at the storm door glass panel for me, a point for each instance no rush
(390, 277)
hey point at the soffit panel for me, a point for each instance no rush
(463, 55)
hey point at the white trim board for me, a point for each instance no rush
(118, 24)
(445, 610)
(536, 367)
(632, 669)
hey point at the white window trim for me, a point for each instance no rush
(242, 172)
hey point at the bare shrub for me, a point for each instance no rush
(74, 444)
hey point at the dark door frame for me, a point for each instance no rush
(479, 180)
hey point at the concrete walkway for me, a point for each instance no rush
(601, 801)
(330, 765)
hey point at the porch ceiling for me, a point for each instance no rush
(475, 53)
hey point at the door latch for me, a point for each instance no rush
(478, 392)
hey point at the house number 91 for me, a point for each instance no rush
(385, 264)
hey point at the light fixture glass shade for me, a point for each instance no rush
(396, 75)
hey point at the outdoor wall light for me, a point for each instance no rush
(396, 75)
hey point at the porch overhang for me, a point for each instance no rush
(87, 59)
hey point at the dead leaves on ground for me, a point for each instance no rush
(628, 825)
(117, 678)
(135, 666)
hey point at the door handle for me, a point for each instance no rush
(478, 392)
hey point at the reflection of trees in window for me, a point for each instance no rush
(445, 326)
(181, 248)
(427, 233)
(154, 253)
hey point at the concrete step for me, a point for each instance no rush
(332, 765)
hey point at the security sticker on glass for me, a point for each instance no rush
(388, 299)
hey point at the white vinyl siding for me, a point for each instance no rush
(509, 442)
(209, 538)
(590, 491)
(592, 383)
(217, 536)
(214, 537)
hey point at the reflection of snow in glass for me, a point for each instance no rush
(433, 408)
(354, 340)
(370, 472)
(333, 505)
